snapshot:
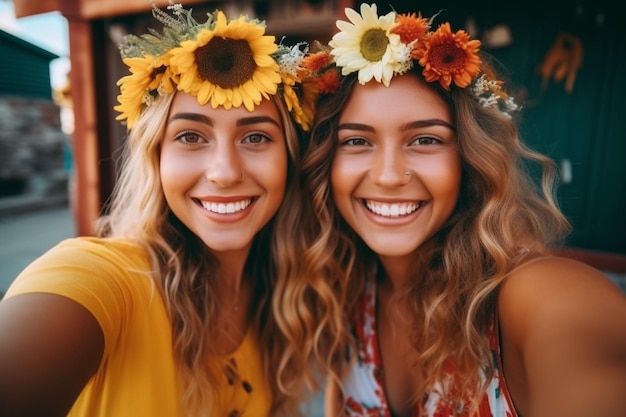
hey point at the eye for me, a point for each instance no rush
(257, 138)
(426, 140)
(355, 142)
(189, 138)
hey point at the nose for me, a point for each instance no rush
(389, 168)
(224, 166)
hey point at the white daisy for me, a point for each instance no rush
(367, 46)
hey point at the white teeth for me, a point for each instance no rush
(226, 208)
(391, 210)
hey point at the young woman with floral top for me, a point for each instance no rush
(190, 302)
(421, 187)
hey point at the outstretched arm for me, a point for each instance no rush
(564, 340)
(49, 348)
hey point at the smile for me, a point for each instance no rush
(226, 208)
(391, 209)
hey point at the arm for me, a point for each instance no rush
(49, 348)
(564, 340)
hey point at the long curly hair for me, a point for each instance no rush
(295, 323)
(502, 219)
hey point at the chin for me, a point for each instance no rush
(393, 250)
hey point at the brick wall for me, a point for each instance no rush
(33, 148)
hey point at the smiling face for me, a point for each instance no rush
(223, 172)
(383, 134)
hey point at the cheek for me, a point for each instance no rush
(444, 180)
(337, 176)
(342, 183)
(177, 172)
(271, 170)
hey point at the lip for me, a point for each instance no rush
(391, 211)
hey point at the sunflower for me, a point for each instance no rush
(366, 45)
(229, 65)
(448, 57)
(308, 98)
(148, 75)
(301, 115)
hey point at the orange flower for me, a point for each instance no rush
(448, 57)
(317, 61)
(411, 27)
(328, 82)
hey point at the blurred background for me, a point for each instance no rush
(565, 62)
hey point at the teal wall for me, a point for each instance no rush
(24, 68)
(586, 127)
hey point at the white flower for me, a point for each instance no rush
(367, 46)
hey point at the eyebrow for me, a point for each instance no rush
(407, 126)
(257, 119)
(197, 117)
(425, 123)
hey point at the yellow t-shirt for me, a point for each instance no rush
(137, 375)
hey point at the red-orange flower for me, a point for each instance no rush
(448, 57)
(411, 27)
(328, 82)
(317, 61)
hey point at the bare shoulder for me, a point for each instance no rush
(563, 329)
(557, 291)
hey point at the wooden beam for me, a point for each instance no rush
(97, 9)
(25, 8)
(90, 9)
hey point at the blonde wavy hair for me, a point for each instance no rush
(502, 219)
(295, 317)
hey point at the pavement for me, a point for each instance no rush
(28, 230)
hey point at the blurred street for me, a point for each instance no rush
(27, 234)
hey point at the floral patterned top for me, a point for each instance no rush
(364, 387)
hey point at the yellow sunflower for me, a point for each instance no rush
(366, 45)
(229, 66)
(301, 114)
(148, 75)
(308, 98)
(448, 57)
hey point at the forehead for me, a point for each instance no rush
(185, 102)
(407, 96)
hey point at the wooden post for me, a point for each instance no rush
(85, 137)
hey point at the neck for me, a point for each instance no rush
(235, 294)
(396, 272)
(230, 271)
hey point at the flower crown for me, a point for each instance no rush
(228, 63)
(381, 47)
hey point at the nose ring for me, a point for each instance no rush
(407, 172)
